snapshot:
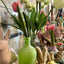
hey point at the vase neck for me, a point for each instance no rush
(27, 41)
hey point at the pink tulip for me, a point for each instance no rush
(14, 6)
(47, 23)
(42, 11)
(52, 27)
(59, 43)
(48, 28)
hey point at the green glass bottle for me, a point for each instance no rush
(27, 54)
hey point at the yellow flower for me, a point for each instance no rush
(52, 62)
(59, 4)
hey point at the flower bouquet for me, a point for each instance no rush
(29, 24)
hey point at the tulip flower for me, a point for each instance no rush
(58, 4)
(14, 6)
(33, 5)
(51, 32)
(48, 28)
(59, 43)
(42, 12)
(52, 27)
(28, 4)
(47, 23)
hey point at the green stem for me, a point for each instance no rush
(50, 11)
(52, 37)
(39, 6)
(33, 39)
(36, 6)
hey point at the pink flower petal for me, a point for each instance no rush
(14, 6)
(48, 28)
(47, 23)
(42, 11)
(52, 27)
(59, 43)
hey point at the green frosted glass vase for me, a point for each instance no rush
(27, 54)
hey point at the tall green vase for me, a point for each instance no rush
(27, 54)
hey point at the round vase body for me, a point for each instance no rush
(27, 54)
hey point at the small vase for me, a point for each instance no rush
(27, 54)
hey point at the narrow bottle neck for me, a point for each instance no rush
(27, 41)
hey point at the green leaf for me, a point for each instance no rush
(15, 19)
(21, 21)
(43, 22)
(14, 26)
(33, 19)
(27, 21)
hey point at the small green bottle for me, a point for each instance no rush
(27, 54)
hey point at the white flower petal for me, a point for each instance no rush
(59, 4)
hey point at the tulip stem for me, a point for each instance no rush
(39, 6)
(36, 6)
(52, 37)
(50, 11)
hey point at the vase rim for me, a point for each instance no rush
(26, 38)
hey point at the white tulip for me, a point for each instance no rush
(33, 5)
(58, 4)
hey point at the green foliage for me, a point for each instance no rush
(51, 32)
(21, 22)
(28, 23)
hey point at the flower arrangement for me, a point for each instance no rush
(29, 24)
